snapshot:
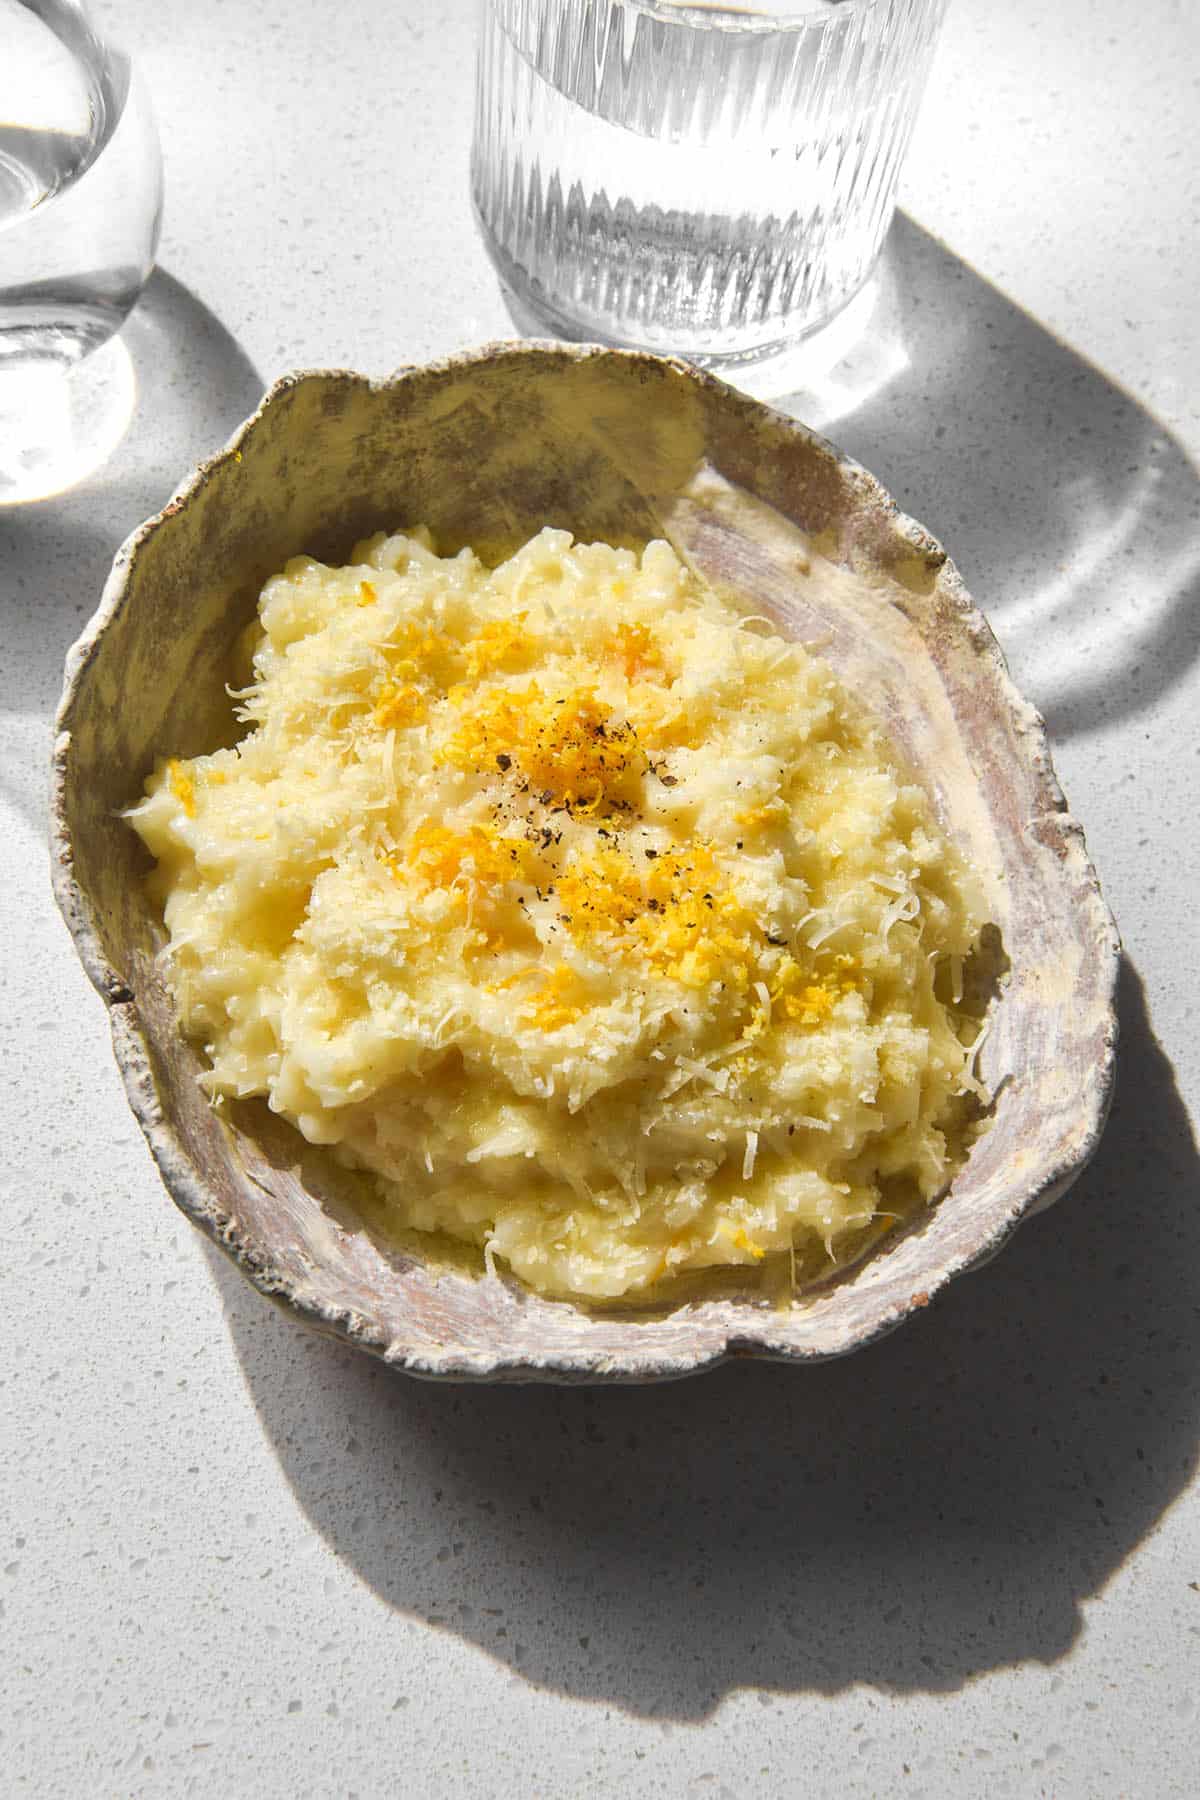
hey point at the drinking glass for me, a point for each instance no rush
(711, 180)
(80, 203)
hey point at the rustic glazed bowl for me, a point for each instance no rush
(486, 449)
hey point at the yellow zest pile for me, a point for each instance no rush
(567, 748)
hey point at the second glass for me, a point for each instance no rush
(80, 185)
(708, 180)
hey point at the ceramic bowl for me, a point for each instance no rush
(485, 449)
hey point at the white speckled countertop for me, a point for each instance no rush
(240, 1560)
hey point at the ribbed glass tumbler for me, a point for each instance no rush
(710, 180)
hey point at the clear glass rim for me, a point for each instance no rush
(718, 15)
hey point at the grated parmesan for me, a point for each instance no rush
(566, 908)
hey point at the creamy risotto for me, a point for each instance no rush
(595, 922)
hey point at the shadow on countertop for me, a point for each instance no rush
(941, 1504)
(1073, 515)
(945, 1502)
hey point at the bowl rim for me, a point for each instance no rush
(187, 1185)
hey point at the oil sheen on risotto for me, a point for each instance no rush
(596, 923)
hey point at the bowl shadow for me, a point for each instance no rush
(941, 1504)
(1073, 515)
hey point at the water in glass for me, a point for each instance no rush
(705, 179)
(80, 184)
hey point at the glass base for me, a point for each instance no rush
(60, 421)
(766, 372)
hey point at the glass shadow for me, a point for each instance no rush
(1073, 515)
